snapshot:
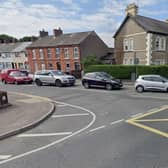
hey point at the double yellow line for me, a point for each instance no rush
(137, 121)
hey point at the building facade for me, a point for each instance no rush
(14, 55)
(64, 51)
(141, 40)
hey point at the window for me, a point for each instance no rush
(128, 44)
(77, 66)
(33, 54)
(50, 66)
(66, 53)
(159, 61)
(160, 43)
(76, 52)
(57, 52)
(67, 67)
(41, 53)
(42, 66)
(49, 53)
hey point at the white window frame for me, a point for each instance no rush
(66, 53)
(34, 54)
(160, 43)
(49, 53)
(128, 44)
(57, 52)
(76, 52)
(41, 53)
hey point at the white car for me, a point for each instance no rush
(151, 82)
(55, 77)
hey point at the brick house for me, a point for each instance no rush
(141, 40)
(64, 51)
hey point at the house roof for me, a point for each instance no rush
(64, 39)
(14, 47)
(148, 24)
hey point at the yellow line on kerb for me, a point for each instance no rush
(152, 120)
(148, 128)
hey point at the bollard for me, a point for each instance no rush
(3, 98)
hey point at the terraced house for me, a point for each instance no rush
(64, 51)
(141, 40)
(14, 55)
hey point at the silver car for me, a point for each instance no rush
(55, 77)
(151, 82)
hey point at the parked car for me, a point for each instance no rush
(151, 82)
(101, 79)
(55, 77)
(14, 76)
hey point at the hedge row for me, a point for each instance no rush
(126, 71)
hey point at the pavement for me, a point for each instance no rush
(23, 113)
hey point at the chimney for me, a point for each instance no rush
(132, 9)
(57, 32)
(43, 33)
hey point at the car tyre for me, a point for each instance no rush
(38, 82)
(4, 81)
(86, 85)
(16, 82)
(58, 83)
(139, 89)
(109, 86)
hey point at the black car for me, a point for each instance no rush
(101, 79)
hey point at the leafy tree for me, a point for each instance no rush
(6, 38)
(28, 38)
(90, 60)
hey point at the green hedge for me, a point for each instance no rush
(125, 71)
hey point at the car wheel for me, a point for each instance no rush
(16, 82)
(109, 86)
(139, 89)
(86, 85)
(38, 82)
(4, 81)
(58, 83)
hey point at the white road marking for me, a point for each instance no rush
(98, 128)
(136, 115)
(116, 122)
(3, 157)
(57, 141)
(44, 135)
(61, 105)
(70, 115)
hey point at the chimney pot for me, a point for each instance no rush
(57, 32)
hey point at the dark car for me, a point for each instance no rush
(101, 79)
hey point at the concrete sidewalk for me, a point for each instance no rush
(25, 112)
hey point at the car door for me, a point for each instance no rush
(158, 83)
(99, 81)
(47, 77)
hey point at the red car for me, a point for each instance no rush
(14, 76)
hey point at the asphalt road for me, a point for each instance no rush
(92, 128)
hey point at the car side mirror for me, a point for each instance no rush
(163, 81)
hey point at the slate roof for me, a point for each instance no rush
(64, 39)
(148, 24)
(14, 47)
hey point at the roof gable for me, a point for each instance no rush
(148, 24)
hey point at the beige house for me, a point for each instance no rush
(141, 40)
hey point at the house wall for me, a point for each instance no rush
(93, 45)
(131, 30)
(53, 60)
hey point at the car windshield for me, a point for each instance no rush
(164, 79)
(58, 73)
(106, 75)
(17, 74)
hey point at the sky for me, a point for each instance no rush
(21, 18)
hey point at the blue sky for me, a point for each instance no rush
(26, 17)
